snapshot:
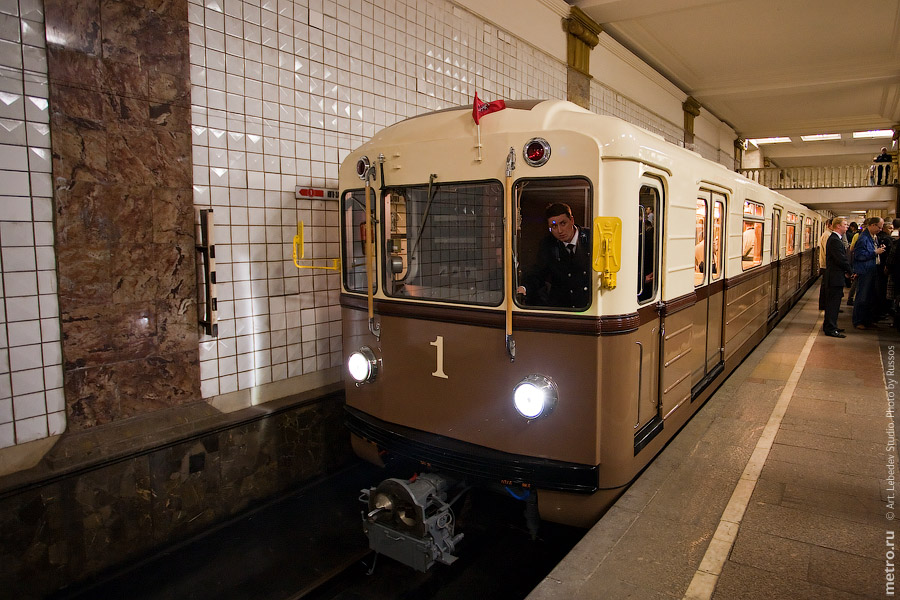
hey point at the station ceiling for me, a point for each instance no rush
(774, 67)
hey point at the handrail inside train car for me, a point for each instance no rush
(543, 331)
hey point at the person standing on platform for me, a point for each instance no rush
(822, 241)
(885, 175)
(837, 269)
(849, 240)
(866, 261)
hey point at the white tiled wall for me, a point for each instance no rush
(606, 101)
(282, 91)
(32, 404)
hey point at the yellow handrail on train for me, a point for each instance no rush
(298, 242)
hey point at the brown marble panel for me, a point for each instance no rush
(115, 505)
(134, 35)
(79, 149)
(74, 22)
(172, 89)
(136, 271)
(90, 397)
(122, 79)
(174, 9)
(170, 116)
(67, 67)
(185, 479)
(173, 217)
(133, 156)
(158, 382)
(249, 463)
(107, 335)
(177, 326)
(77, 103)
(124, 112)
(175, 158)
(84, 275)
(90, 214)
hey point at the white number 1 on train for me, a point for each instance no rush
(439, 344)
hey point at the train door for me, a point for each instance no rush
(709, 288)
(715, 344)
(775, 271)
(648, 420)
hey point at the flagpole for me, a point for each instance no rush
(478, 146)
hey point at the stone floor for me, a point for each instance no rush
(780, 487)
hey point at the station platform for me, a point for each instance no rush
(781, 486)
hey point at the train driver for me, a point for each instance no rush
(561, 276)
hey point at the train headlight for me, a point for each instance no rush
(536, 152)
(362, 365)
(535, 396)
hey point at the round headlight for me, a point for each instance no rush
(535, 396)
(536, 152)
(362, 365)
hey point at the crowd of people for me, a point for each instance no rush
(867, 261)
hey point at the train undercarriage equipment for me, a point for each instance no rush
(411, 520)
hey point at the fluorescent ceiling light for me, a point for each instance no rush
(821, 137)
(875, 133)
(770, 140)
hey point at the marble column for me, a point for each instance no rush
(120, 123)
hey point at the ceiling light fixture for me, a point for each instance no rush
(821, 137)
(875, 133)
(770, 140)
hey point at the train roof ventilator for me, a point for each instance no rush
(411, 521)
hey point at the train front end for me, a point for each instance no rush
(450, 362)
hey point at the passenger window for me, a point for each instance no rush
(791, 234)
(354, 229)
(648, 243)
(718, 253)
(553, 243)
(700, 243)
(807, 234)
(752, 236)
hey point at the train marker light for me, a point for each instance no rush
(362, 167)
(535, 396)
(536, 152)
(362, 365)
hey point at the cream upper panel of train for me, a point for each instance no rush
(551, 151)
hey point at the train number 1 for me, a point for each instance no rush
(439, 344)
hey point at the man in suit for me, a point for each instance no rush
(562, 276)
(823, 241)
(837, 268)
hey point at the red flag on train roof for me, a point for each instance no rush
(479, 108)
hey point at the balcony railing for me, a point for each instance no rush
(844, 176)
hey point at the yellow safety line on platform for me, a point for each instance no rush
(704, 582)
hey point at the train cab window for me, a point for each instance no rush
(553, 243)
(648, 242)
(444, 242)
(790, 246)
(700, 243)
(354, 234)
(752, 235)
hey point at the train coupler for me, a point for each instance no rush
(411, 520)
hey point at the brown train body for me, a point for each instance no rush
(629, 372)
